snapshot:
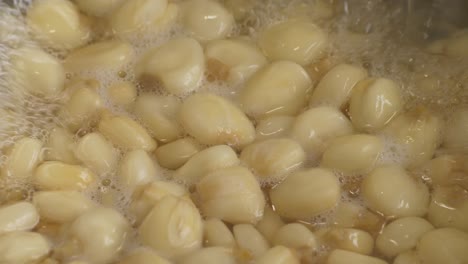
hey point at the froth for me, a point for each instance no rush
(165, 174)
(322, 220)
(145, 40)
(220, 88)
(262, 15)
(21, 114)
(393, 152)
(13, 189)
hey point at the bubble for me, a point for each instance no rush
(322, 220)
(106, 182)
(122, 74)
(393, 152)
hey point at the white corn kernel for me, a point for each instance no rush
(137, 168)
(56, 175)
(23, 247)
(305, 194)
(273, 159)
(270, 223)
(276, 126)
(153, 193)
(122, 93)
(446, 170)
(38, 72)
(314, 128)
(391, 191)
(217, 234)
(233, 60)
(356, 153)
(351, 239)
(210, 255)
(136, 14)
(231, 194)
(277, 88)
(351, 214)
(347, 214)
(418, 131)
(97, 153)
(23, 158)
(20, 216)
(159, 114)
(409, 257)
(123, 28)
(143, 256)
(318, 69)
(168, 19)
(82, 106)
(456, 130)
(249, 240)
(278, 255)
(401, 235)
(108, 54)
(126, 133)
(101, 232)
(173, 227)
(373, 103)
(339, 256)
(206, 19)
(175, 154)
(204, 162)
(61, 206)
(179, 64)
(68, 248)
(98, 8)
(213, 120)
(60, 146)
(444, 245)
(296, 236)
(449, 207)
(334, 89)
(50, 230)
(58, 24)
(299, 41)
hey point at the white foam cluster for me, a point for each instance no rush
(21, 114)
(218, 87)
(393, 152)
(322, 220)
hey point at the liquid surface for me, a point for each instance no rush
(388, 39)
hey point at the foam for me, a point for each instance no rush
(218, 87)
(22, 114)
(12, 187)
(393, 152)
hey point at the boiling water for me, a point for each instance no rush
(388, 38)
